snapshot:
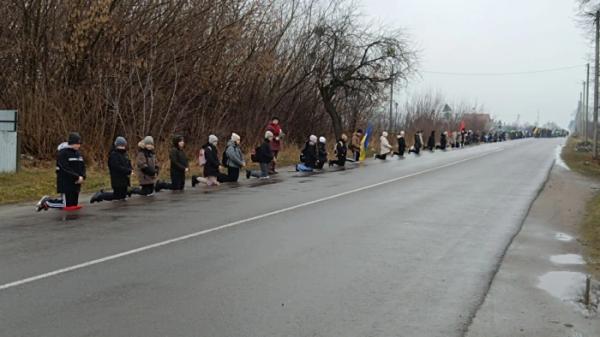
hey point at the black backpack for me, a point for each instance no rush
(225, 158)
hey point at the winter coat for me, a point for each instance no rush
(179, 161)
(341, 150)
(431, 141)
(120, 168)
(69, 167)
(235, 157)
(211, 168)
(147, 165)
(264, 154)
(355, 143)
(309, 155)
(418, 142)
(443, 141)
(401, 144)
(276, 142)
(384, 146)
(321, 152)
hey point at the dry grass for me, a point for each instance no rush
(32, 182)
(583, 163)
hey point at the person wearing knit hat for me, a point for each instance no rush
(148, 140)
(309, 155)
(179, 167)
(321, 153)
(212, 174)
(70, 174)
(120, 169)
(233, 159)
(263, 156)
(147, 167)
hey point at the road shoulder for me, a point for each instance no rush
(539, 287)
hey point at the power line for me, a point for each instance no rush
(505, 73)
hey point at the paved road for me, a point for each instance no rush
(395, 248)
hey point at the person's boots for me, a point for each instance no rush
(135, 190)
(158, 186)
(194, 181)
(97, 197)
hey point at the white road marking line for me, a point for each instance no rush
(232, 224)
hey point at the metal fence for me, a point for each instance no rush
(9, 141)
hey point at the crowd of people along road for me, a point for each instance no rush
(71, 171)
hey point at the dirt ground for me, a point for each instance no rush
(538, 290)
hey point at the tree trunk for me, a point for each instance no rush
(336, 119)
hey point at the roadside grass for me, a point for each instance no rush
(578, 161)
(582, 162)
(32, 182)
(590, 230)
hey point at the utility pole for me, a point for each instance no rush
(587, 101)
(582, 111)
(596, 66)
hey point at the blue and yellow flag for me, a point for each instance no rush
(364, 143)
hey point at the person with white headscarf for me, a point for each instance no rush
(385, 147)
(309, 156)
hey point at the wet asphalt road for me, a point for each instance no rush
(331, 254)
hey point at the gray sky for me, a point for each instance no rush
(492, 36)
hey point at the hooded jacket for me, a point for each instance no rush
(179, 161)
(147, 165)
(69, 167)
(235, 157)
(211, 168)
(120, 168)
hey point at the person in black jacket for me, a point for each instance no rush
(418, 143)
(341, 151)
(309, 155)
(120, 170)
(264, 156)
(401, 145)
(179, 167)
(443, 141)
(321, 153)
(212, 175)
(431, 141)
(70, 174)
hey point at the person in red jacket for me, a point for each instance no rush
(275, 129)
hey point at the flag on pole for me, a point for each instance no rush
(364, 144)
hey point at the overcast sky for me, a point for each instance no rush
(495, 36)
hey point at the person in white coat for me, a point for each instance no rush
(385, 147)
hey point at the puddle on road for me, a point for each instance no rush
(563, 237)
(567, 259)
(558, 159)
(564, 285)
